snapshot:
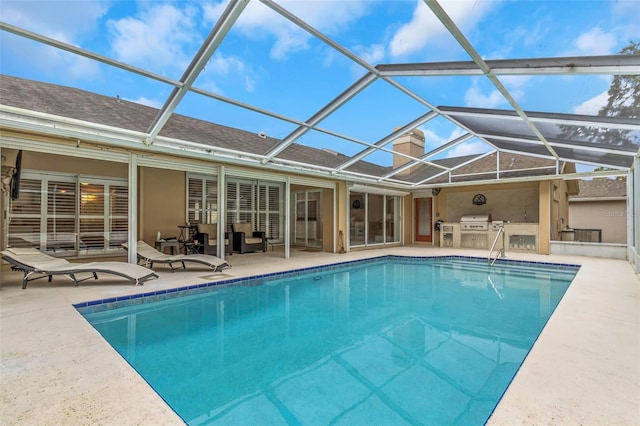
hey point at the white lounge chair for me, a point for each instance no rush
(149, 255)
(36, 264)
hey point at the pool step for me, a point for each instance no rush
(499, 268)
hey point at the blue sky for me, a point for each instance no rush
(268, 62)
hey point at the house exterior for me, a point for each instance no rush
(88, 183)
(599, 211)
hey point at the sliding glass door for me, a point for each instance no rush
(307, 228)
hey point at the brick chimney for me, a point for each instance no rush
(411, 143)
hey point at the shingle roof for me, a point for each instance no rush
(601, 188)
(91, 107)
(511, 165)
(119, 113)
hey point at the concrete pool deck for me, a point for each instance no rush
(56, 369)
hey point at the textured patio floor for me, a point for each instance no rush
(57, 370)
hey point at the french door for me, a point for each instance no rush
(307, 228)
(422, 215)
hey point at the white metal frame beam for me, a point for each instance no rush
(486, 70)
(389, 138)
(574, 65)
(336, 103)
(211, 43)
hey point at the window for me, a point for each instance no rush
(69, 215)
(202, 199)
(259, 203)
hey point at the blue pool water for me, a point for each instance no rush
(391, 341)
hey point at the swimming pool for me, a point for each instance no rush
(389, 341)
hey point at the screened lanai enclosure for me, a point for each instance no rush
(336, 120)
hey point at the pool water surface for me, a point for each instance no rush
(390, 341)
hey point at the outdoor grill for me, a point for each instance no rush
(475, 222)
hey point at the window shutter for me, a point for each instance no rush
(61, 216)
(92, 222)
(211, 200)
(118, 216)
(194, 200)
(25, 215)
(69, 215)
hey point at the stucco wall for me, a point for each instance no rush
(515, 204)
(57, 163)
(161, 201)
(610, 216)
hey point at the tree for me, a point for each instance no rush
(624, 102)
(624, 92)
(602, 169)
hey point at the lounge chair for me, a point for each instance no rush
(149, 255)
(245, 239)
(36, 264)
(207, 243)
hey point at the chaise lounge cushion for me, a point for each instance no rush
(34, 262)
(150, 255)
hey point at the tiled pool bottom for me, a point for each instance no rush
(397, 340)
(100, 305)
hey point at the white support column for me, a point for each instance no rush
(636, 212)
(347, 232)
(222, 211)
(335, 219)
(631, 241)
(287, 218)
(133, 209)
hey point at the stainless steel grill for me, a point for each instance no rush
(475, 222)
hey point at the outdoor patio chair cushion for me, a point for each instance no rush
(248, 233)
(245, 239)
(211, 229)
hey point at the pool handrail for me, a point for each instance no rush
(501, 252)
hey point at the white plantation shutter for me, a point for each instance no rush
(69, 215)
(92, 218)
(263, 213)
(232, 203)
(194, 200)
(61, 216)
(25, 215)
(241, 202)
(202, 199)
(118, 215)
(269, 210)
(211, 200)
(257, 202)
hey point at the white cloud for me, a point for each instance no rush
(259, 21)
(63, 20)
(593, 42)
(146, 101)
(468, 148)
(592, 106)
(425, 28)
(433, 140)
(52, 19)
(372, 54)
(626, 9)
(157, 38)
(224, 65)
(475, 98)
